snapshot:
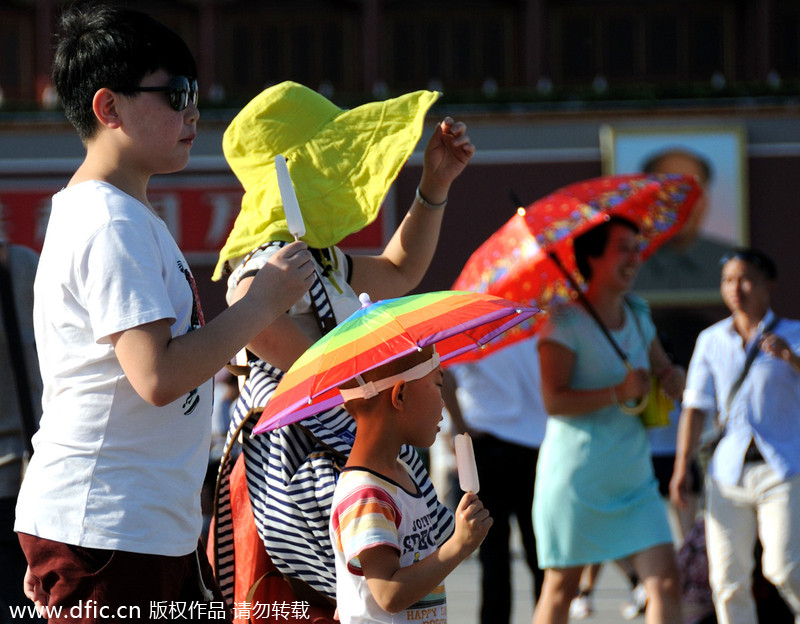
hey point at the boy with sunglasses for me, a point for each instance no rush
(109, 512)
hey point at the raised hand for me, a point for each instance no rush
(447, 154)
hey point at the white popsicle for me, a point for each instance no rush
(294, 218)
(465, 461)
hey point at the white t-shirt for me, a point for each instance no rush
(369, 510)
(110, 470)
(501, 394)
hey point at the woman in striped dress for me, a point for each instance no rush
(292, 472)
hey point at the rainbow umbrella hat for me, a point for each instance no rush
(456, 322)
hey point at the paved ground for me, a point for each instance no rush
(463, 595)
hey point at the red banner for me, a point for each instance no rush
(199, 216)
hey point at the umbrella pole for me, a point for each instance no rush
(581, 297)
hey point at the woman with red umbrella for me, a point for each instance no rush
(596, 498)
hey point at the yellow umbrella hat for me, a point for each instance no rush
(342, 163)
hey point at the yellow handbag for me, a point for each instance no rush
(659, 405)
(653, 409)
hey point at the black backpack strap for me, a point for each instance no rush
(752, 352)
(320, 302)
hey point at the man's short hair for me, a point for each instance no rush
(103, 46)
(755, 258)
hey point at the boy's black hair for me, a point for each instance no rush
(592, 244)
(103, 46)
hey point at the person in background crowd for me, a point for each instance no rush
(746, 368)
(596, 498)
(22, 401)
(497, 400)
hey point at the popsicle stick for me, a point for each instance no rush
(294, 218)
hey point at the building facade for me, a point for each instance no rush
(476, 51)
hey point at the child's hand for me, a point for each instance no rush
(472, 522)
(32, 587)
(285, 278)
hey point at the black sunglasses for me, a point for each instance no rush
(180, 91)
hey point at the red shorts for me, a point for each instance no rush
(91, 585)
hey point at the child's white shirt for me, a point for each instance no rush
(110, 470)
(369, 510)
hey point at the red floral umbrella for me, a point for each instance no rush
(515, 262)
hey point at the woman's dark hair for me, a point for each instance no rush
(592, 244)
(102, 46)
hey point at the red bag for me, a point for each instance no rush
(274, 589)
(259, 588)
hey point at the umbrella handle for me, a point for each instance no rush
(638, 408)
(635, 410)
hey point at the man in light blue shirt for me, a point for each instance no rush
(753, 486)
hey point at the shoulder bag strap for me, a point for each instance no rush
(16, 353)
(752, 352)
(320, 303)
